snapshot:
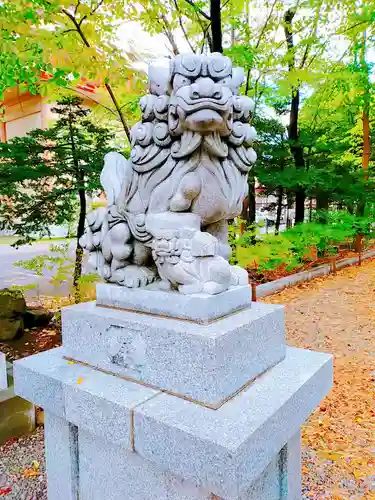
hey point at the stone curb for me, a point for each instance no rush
(266, 289)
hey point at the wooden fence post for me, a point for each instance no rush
(253, 292)
(333, 265)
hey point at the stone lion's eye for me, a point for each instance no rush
(180, 81)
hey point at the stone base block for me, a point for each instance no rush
(115, 439)
(17, 416)
(122, 474)
(205, 363)
(200, 307)
(126, 475)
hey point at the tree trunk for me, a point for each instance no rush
(365, 155)
(169, 34)
(244, 215)
(358, 243)
(79, 250)
(300, 206)
(365, 113)
(251, 201)
(279, 209)
(322, 205)
(82, 214)
(293, 134)
(289, 201)
(216, 31)
(366, 140)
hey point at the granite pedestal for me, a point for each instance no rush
(143, 407)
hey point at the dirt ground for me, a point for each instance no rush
(336, 314)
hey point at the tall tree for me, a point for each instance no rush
(216, 29)
(67, 41)
(295, 145)
(47, 173)
(365, 74)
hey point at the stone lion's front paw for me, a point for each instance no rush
(134, 276)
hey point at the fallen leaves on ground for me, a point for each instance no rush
(33, 470)
(33, 341)
(22, 468)
(336, 314)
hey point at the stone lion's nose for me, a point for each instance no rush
(205, 87)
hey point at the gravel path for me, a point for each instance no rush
(22, 472)
(336, 314)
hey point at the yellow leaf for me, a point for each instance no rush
(71, 362)
(331, 455)
(79, 380)
(30, 473)
(36, 465)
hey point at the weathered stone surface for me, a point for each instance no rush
(36, 380)
(207, 363)
(186, 177)
(230, 447)
(189, 259)
(12, 308)
(223, 452)
(12, 303)
(200, 307)
(3, 372)
(36, 317)
(125, 475)
(10, 328)
(79, 394)
(290, 467)
(17, 416)
(61, 441)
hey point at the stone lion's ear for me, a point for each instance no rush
(158, 80)
(238, 76)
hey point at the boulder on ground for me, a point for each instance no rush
(12, 303)
(12, 309)
(37, 316)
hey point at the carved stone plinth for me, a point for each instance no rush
(199, 307)
(204, 363)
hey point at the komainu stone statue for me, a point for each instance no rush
(168, 205)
